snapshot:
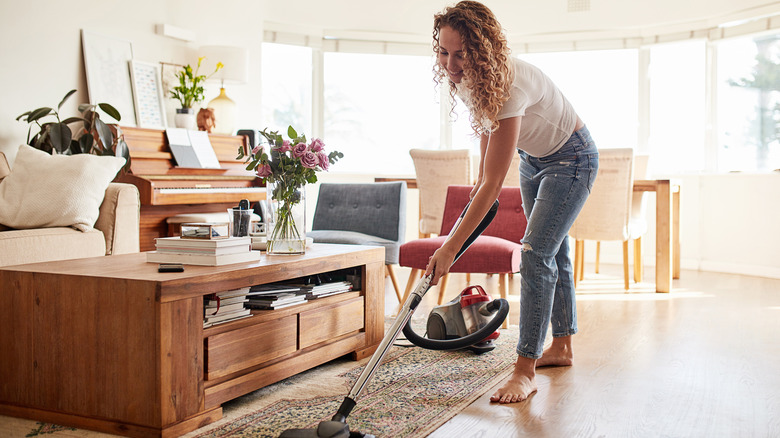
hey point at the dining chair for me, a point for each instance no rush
(638, 217)
(607, 214)
(434, 171)
(363, 214)
(496, 251)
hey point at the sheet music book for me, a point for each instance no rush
(191, 148)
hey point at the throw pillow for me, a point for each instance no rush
(45, 190)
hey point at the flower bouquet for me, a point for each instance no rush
(285, 168)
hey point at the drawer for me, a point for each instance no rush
(326, 323)
(240, 349)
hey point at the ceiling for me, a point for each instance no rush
(410, 20)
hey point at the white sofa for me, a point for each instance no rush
(116, 231)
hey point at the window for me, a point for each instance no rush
(286, 88)
(748, 110)
(377, 107)
(677, 107)
(602, 87)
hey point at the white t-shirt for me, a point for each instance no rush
(548, 118)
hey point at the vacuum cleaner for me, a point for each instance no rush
(462, 323)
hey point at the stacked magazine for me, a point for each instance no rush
(275, 296)
(326, 289)
(205, 252)
(225, 306)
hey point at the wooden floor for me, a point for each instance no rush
(703, 361)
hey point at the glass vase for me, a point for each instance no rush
(287, 219)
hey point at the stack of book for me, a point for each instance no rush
(326, 289)
(225, 306)
(275, 296)
(204, 252)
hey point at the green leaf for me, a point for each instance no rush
(75, 147)
(111, 111)
(85, 107)
(104, 133)
(38, 114)
(70, 93)
(291, 133)
(85, 143)
(240, 153)
(60, 136)
(70, 120)
(22, 115)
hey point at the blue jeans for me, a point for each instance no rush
(554, 190)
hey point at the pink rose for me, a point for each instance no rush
(317, 145)
(323, 159)
(256, 149)
(309, 160)
(264, 171)
(299, 150)
(284, 147)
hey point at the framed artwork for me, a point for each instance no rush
(169, 80)
(147, 94)
(108, 74)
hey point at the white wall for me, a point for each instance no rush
(40, 42)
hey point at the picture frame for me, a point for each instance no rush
(147, 94)
(108, 74)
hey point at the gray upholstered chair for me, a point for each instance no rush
(363, 214)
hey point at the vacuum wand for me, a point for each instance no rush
(404, 315)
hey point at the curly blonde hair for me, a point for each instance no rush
(487, 67)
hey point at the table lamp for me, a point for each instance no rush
(235, 71)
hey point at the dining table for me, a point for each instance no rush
(667, 225)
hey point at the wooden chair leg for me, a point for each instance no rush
(638, 269)
(442, 287)
(598, 255)
(576, 262)
(468, 277)
(410, 283)
(502, 292)
(625, 264)
(389, 273)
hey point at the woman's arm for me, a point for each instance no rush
(483, 142)
(494, 163)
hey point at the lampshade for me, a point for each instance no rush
(235, 71)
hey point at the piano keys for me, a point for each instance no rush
(167, 190)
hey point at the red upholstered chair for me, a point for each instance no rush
(496, 251)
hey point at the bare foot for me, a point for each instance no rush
(520, 385)
(558, 355)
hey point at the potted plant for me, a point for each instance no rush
(92, 137)
(189, 92)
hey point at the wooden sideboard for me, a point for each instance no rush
(110, 344)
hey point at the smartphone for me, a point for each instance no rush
(170, 267)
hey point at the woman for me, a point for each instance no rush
(515, 108)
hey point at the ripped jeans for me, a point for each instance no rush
(554, 189)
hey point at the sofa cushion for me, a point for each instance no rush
(49, 244)
(45, 190)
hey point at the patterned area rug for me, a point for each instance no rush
(412, 393)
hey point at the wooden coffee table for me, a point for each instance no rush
(112, 345)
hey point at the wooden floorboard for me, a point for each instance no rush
(702, 361)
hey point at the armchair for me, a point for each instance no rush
(363, 214)
(497, 251)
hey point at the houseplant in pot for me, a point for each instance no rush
(189, 92)
(92, 134)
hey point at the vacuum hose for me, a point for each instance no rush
(455, 344)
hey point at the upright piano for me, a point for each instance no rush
(167, 190)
